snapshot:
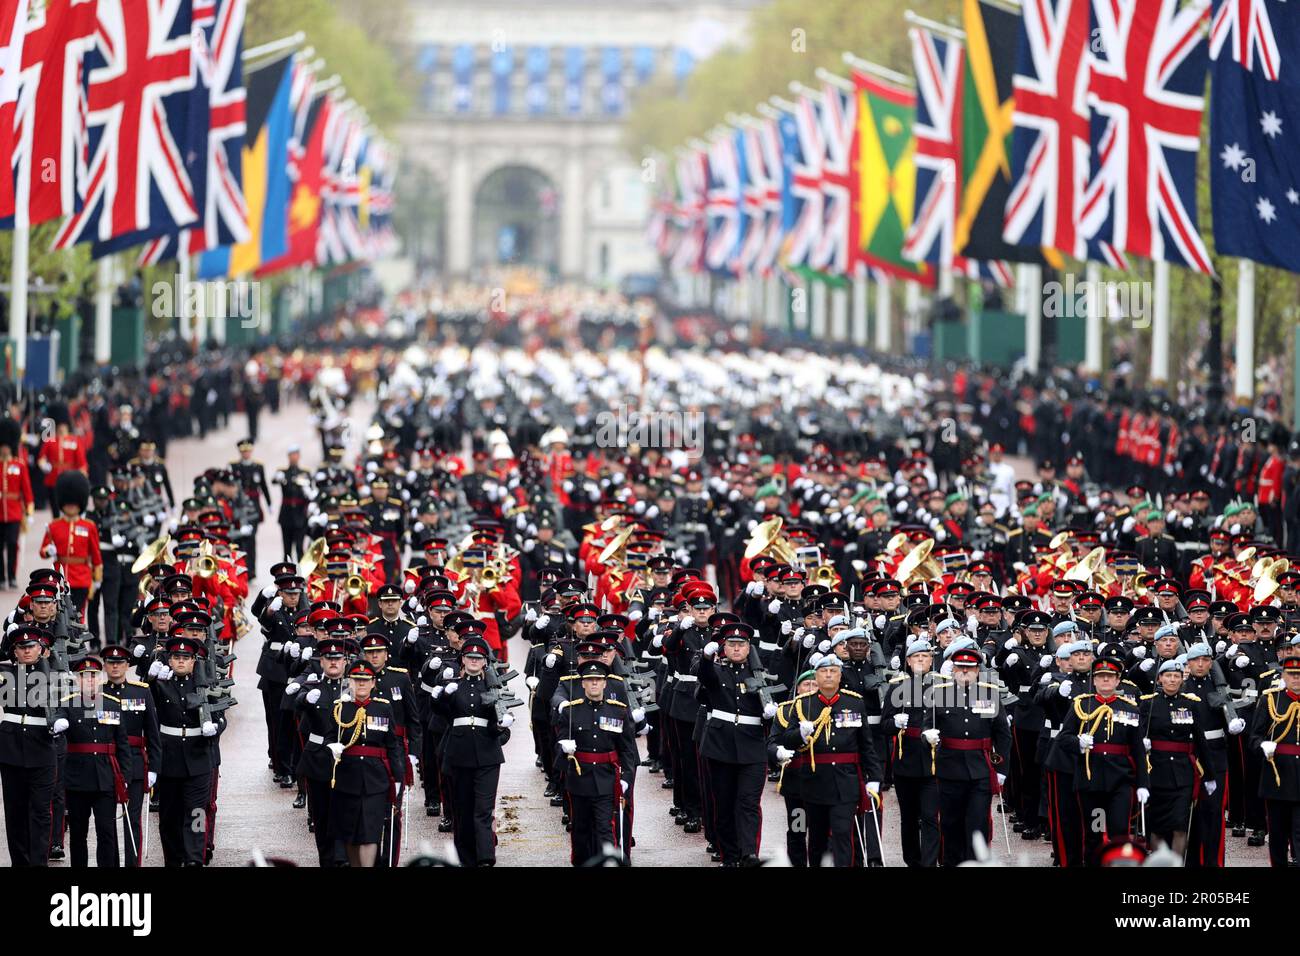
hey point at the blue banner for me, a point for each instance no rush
(683, 65)
(643, 64)
(611, 89)
(462, 72)
(575, 70)
(537, 64)
(503, 68)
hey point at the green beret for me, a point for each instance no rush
(767, 460)
(953, 498)
(768, 490)
(865, 494)
(1029, 511)
(806, 675)
(1232, 510)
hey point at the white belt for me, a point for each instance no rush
(1214, 735)
(427, 688)
(731, 718)
(470, 722)
(873, 720)
(685, 677)
(315, 739)
(768, 646)
(1024, 688)
(1249, 693)
(276, 645)
(1047, 724)
(23, 719)
(181, 731)
(1055, 731)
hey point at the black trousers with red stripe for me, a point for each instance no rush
(832, 825)
(737, 791)
(1106, 815)
(1065, 820)
(1205, 841)
(28, 793)
(1283, 830)
(918, 815)
(964, 810)
(593, 825)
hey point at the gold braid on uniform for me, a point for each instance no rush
(1089, 722)
(822, 723)
(357, 725)
(1287, 719)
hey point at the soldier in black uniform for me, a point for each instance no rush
(733, 745)
(787, 766)
(143, 757)
(94, 780)
(315, 712)
(154, 471)
(1174, 725)
(28, 754)
(680, 645)
(842, 777)
(276, 608)
(472, 755)
(1155, 548)
(1205, 841)
(1104, 731)
(907, 714)
(388, 521)
(368, 760)
(1020, 660)
(973, 740)
(596, 738)
(1275, 736)
(393, 684)
(296, 493)
(390, 621)
(1248, 667)
(188, 751)
(251, 478)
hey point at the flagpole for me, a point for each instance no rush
(875, 69)
(911, 311)
(839, 314)
(18, 301)
(1032, 278)
(275, 46)
(834, 79)
(183, 296)
(1160, 327)
(1092, 350)
(104, 311)
(925, 23)
(884, 312)
(1245, 374)
(861, 336)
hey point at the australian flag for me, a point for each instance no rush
(1255, 130)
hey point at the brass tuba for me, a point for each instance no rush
(767, 539)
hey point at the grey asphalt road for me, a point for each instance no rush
(254, 813)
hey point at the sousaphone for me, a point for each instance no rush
(150, 555)
(918, 562)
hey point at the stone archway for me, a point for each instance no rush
(516, 220)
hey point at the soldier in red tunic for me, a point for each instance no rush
(71, 541)
(16, 502)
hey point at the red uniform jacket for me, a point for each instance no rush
(63, 454)
(77, 545)
(15, 490)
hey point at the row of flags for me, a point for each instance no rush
(1058, 128)
(136, 124)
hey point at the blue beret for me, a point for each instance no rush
(1199, 649)
(1169, 666)
(1065, 627)
(1063, 651)
(946, 624)
(849, 635)
(918, 646)
(826, 660)
(961, 644)
(1081, 647)
(1167, 630)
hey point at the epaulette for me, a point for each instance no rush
(990, 685)
(1192, 697)
(1128, 700)
(564, 704)
(900, 677)
(1147, 696)
(364, 501)
(568, 677)
(116, 700)
(400, 670)
(617, 677)
(946, 683)
(1271, 690)
(382, 700)
(851, 693)
(611, 700)
(1012, 532)
(802, 696)
(138, 683)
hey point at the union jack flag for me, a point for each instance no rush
(939, 66)
(692, 191)
(223, 211)
(141, 76)
(340, 236)
(754, 195)
(1051, 142)
(13, 27)
(1245, 28)
(769, 142)
(723, 208)
(806, 184)
(835, 249)
(1146, 82)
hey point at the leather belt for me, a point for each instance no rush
(730, 718)
(873, 720)
(1173, 746)
(275, 645)
(1119, 749)
(471, 722)
(181, 731)
(768, 646)
(685, 677)
(584, 757)
(24, 719)
(961, 743)
(92, 749)
(1289, 750)
(315, 739)
(1214, 735)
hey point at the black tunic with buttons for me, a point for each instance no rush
(469, 745)
(597, 727)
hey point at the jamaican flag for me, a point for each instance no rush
(886, 176)
(992, 41)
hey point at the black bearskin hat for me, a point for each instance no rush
(10, 434)
(72, 488)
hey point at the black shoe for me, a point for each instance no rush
(311, 826)
(675, 811)
(654, 767)
(774, 776)
(557, 801)
(564, 818)
(1238, 830)
(1017, 827)
(1256, 838)
(444, 825)
(153, 805)
(875, 863)
(692, 825)
(56, 853)
(1030, 833)
(753, 860)
(286, 782)
(666, 785)
(432, 809)
(538, 763)
(550, 791)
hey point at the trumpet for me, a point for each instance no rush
(355, 586)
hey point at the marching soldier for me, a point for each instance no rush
(597, 739)
(28, 755)
(796, 823)
(907, 714)
(72, 542)
(296, 494)
(16, 501)
(143, 756)
(1205, 841)
(1275, 735)
(276, 608)
(393, 684)
(315, 710)
(388, 521)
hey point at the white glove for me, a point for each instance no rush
(155, 668)
(153, 778)
(805, 729)
(138, 650)
(531, 682)
(435, 693)
(1045, 660)
(306, 653)
(711, 649)
(769, 711)
(688, 623)
(549, 661)
(1128, 524)
(787, 627)
(1220, 647)
(165, 673)
(313, 695)
(542, 622)
(269, 591)
(754, 588)
(931, 736)
(1269, 747)
(880, 622)
(873, 787)
(774, 606)
(450, 687)
(623, 785)
(1011, 659)
(293, 648)
(50, 551)
(569, 746)
(657, 641)
(336, 749)
(209, 729)
(1085, 742)
(1002, 778)
(783, 754)
(1236, 725)
(809, 640)
(408, 586)
(1066, 688)
(530, 615)
(117, 541)
(530, 544)
(638, 714)
(895, 662)
(1148, 664)
(276, 603)
(506, 721)
(654, 613)
(1210, 787)
(59, 726)
(1146, 742)
(292, 687)
(412, 635)
(634, 615)
(1140, 651)
(1011, 643)
(1046, 678)
(1242, 661)
(45, 465)
(900, 720)
(824, 647)
(1143, 795)
(150, 521)
(448, 673)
